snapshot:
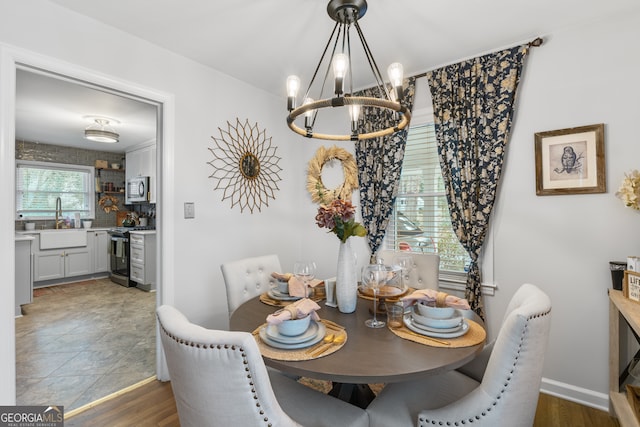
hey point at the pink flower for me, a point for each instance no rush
(339, 218)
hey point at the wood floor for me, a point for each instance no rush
(152, 404)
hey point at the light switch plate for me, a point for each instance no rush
(189, 210)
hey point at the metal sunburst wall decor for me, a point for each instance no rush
(245, 166)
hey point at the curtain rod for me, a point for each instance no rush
(533, 43)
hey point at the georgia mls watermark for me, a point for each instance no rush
(31, 416)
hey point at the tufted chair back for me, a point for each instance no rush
(218, 377)
(426, 267)
(508, 393)
(248, 278)
(501, 388)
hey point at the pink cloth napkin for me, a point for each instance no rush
(299, 309)
(431, 295)
(296, 287)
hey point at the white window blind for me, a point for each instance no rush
(39, 184)
(421, 218)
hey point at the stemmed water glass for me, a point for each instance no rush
(405, 262)
(373, 276)
(305, 271)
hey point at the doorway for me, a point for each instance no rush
(12, 61)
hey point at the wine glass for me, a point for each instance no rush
(405, 262)
(373, 276)
(305, 271)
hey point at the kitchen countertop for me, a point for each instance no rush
(27, 232)
(23, 237)
(142, 232)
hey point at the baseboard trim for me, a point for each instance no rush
(575, 394)
(109, 397)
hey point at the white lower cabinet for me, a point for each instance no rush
(53, 264)
(142, 258)
(59, 263)
(24, 274)
(101, 251)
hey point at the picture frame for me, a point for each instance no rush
(570, 161)
(631, 285)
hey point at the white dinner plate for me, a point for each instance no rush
(281, 297)
(417, 324)
(410, 324)
(451, 322)
(319, 336)
(281, 294)
(273, 333)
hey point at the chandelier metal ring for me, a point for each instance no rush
(350, 100)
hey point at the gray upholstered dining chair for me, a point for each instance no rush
(219, 379)
(504, 392)
(247, 278)
(426, 267)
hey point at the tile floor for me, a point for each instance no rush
(82, 341)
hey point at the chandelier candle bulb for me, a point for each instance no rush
(308, 123)
(354, 112)
(396, 75)
(340, 66)
(293, 86)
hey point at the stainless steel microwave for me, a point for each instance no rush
(137, 190)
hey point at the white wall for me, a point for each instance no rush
(563, 244)
(580, 76)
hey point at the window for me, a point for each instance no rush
(39, 184)
(421, 218)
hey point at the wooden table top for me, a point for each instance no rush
(368, 356)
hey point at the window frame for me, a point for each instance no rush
(90, 189)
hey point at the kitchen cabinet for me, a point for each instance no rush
(141, 161)
(100, 245)
(60, 263)
(142, 258)
(50, 264)
(24, 273)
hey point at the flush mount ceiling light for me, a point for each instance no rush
(101, 130)
(346, 14)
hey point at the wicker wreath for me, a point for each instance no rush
(316, 188)
(108, 203)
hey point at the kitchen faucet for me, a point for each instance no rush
(58, 211)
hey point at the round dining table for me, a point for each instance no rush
(369, 355)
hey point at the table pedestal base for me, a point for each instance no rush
(357, 394)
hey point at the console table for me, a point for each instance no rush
(620, 308)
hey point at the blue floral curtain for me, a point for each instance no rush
(379, 164)
(473, 109)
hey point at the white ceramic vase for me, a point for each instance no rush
(346, 279)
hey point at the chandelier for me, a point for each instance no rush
(346, 15)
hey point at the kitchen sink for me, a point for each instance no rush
(57, 239)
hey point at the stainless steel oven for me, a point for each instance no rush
(119, 256)
(119, 251)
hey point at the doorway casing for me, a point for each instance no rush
(11, 59)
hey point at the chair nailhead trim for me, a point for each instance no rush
(423, 421)
(233, 347)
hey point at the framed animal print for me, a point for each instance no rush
(570, 161)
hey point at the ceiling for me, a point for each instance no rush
(53, 110)
(262, 41)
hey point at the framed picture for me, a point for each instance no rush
(570, 161)
(631, 285)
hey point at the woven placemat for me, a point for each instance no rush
(300, 354)
(476, 335)
(266, 299)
